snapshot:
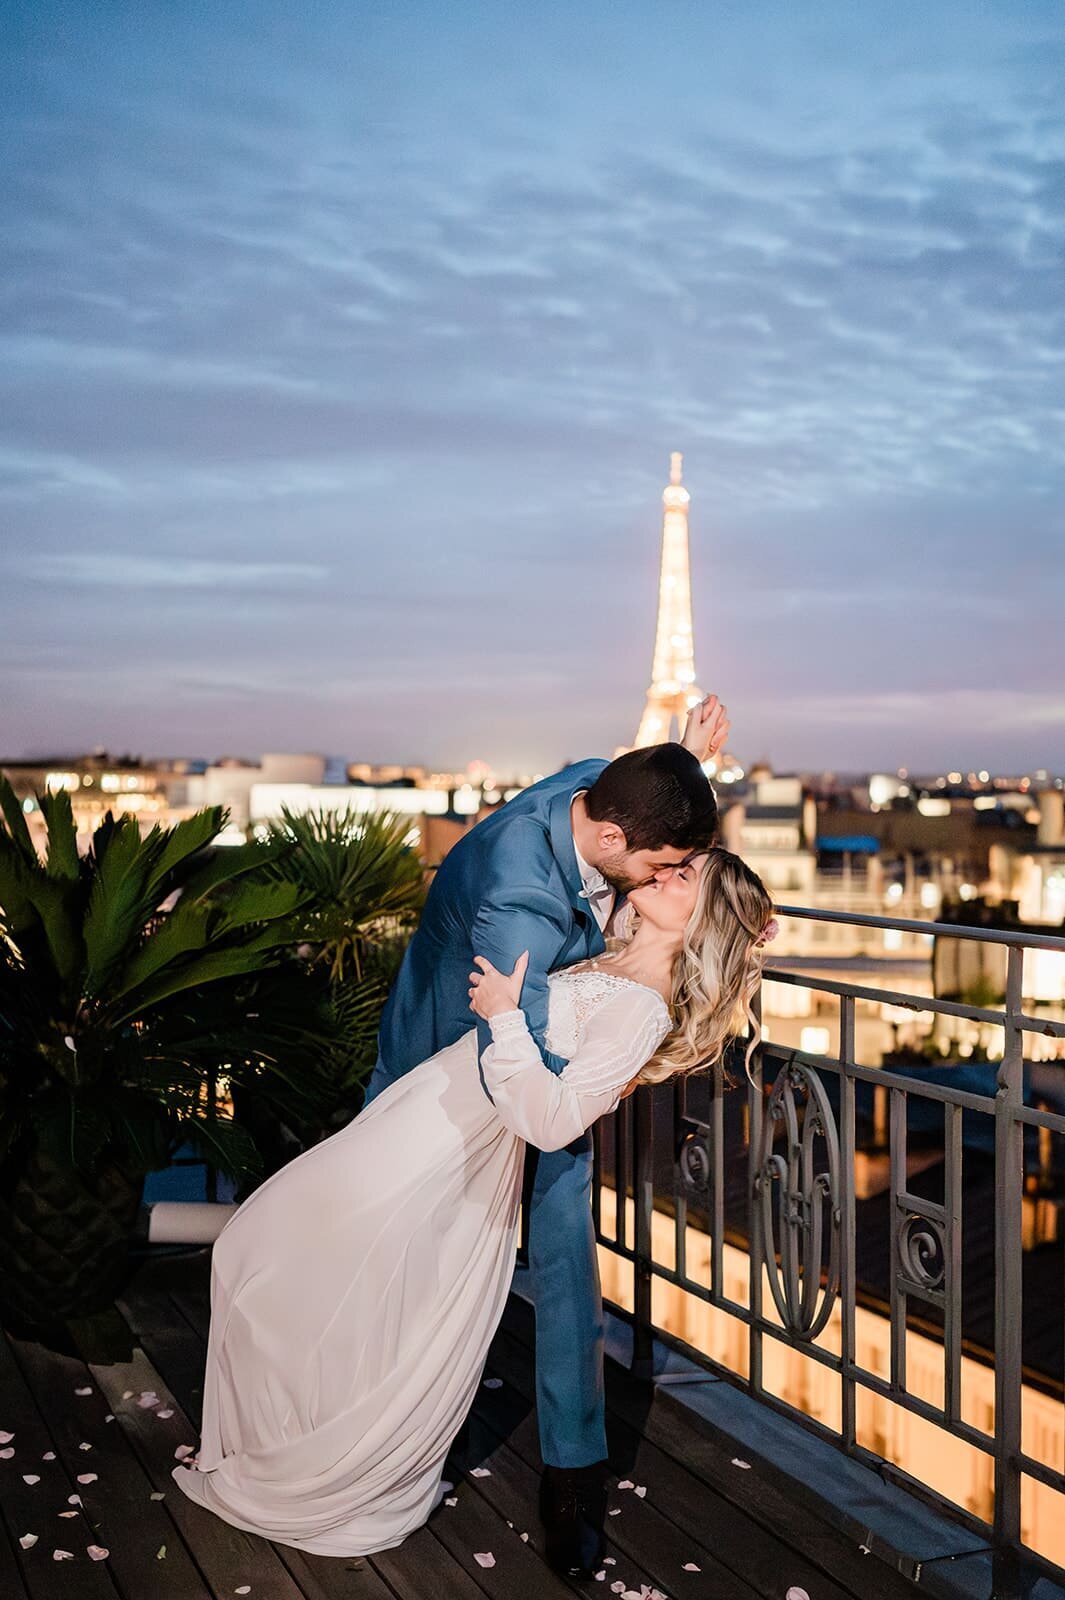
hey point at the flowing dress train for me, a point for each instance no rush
(355, 1293)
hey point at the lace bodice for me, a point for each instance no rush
(577, 994)
(605, 1025)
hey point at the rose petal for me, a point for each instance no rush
(87, 1477)
(28, 1541)
(6, 1438)
(62, 1555)
(70, 1513)
(689, 1566)
(617, 1588)
(160, 1553)
(83, 1391)
(484, 1558)
(610, 1561)
(616, 1512)
(84, 1445)
(147, 1401)
(795, 1593)
(493, 1383)
(182, 1451)
(524, 1537)
(31, 1477)
(157, 1496)
(626, 1483)
(97, 1552)
(641, 1491)
(165, 1413)
(451, 1500)
(480, 1472)
(73, 1499)
(245, 1588)
(600, 1577)
(127, 1394)
(7, 1454)
(736, 1462)
(49, 1455)
(110, 1417)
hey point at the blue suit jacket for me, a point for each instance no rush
(511, 884)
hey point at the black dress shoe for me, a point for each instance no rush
(572, 1509)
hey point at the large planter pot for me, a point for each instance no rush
(64, 1238)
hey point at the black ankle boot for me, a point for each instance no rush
(572, 1509)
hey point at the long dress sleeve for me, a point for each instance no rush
(550, 1111)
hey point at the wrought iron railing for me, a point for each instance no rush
(793, 1209)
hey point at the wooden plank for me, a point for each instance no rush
(11, 1584)
(34, 1508)
(474, 1527)
(648, 1548)
(334, 1577)
(226, 1556)
(422, 1568)
(119, 1506)
(178, 1352)
(722, 1509)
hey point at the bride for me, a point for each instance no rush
(355, 1293)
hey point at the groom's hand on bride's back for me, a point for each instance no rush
(491, 991)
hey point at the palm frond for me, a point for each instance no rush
(224, 1143)
(15, 818)
(118, 902)
(183, 842)
(62, 860)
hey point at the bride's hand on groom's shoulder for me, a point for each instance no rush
(707, 728)
(491, 991)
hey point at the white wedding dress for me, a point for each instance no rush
(355, 1293)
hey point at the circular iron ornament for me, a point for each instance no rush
(797, 1201)
(693, 1160)
(922, 1252)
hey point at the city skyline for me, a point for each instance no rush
(343, 359)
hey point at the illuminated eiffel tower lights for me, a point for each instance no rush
(673, 688)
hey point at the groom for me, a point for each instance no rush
(542, 875)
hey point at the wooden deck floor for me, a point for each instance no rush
(704, 1529)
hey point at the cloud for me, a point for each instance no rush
(396, 336)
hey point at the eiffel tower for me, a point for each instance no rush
(673, 689)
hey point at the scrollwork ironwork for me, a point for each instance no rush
(797, 1191)
(693, 1160)
(922, 1251)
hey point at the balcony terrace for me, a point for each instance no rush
(834, 1361)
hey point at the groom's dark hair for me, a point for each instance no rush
(656, 796)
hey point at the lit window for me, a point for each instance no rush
(814, 1041)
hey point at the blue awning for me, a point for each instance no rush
(856, 843)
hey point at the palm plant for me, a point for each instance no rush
(127, 980)
(361, 888)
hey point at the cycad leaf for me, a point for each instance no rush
(225, 1144)
(256, 902)
(118, 903)
(11, 806)
(184, 841)
(36, 908)
(16, 877)
(183, 931)
(233, 861)
(252, 956)
(58, 814)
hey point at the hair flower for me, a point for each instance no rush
(769, 932)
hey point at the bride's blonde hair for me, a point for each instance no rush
(717, 969)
